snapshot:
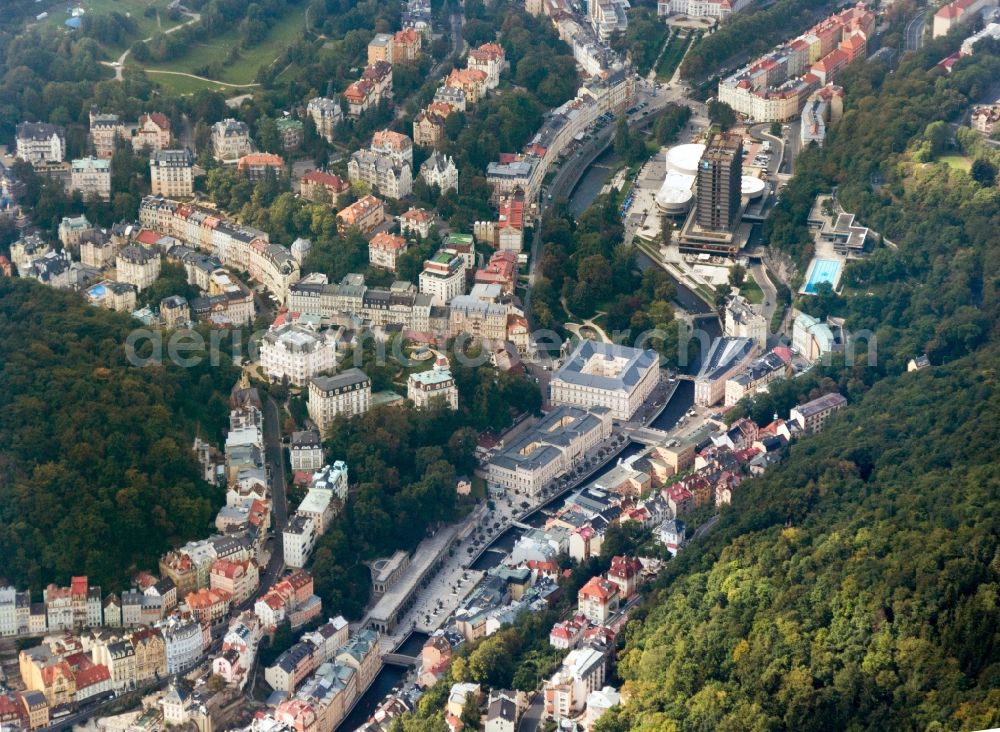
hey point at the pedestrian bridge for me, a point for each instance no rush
(646, 435)
(400, 659)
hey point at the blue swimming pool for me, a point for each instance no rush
(824, 270)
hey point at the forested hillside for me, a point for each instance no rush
(97, 476)
(856, 585)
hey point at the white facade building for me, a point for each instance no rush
(348, 393)
(92, 177)
(602, 374)
(297, 352)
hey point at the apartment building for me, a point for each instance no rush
(40, 143)
(255, 166)
(348, 393)
(406, 46)
(429, 126)
(367, 214)
(489, 58)
(326, 115)
(171, 173)
(297, 353)
(384, 249)
(322, 187)
(434, 386)
(726, 357)
(230, 140)
(153, 132)
(440, 170)
(137, 265)
(813, 414)
(91, 177)
(388, 176)
(443, 277)
(105, 132)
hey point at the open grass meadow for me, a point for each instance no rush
(210, 55)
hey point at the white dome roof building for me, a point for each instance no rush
(675, 195)
(685, 158)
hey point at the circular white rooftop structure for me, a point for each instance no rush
(684, 158)
(751, 187)
(674, 196)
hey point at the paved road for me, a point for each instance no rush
(274, 458)
(532, 717)
(763, 279)
(915, 32)
(705, 527)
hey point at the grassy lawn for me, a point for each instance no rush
(282, 35)
(186, 85)
(146, 27)
(672, 56)
(751, 291)
(959, 162)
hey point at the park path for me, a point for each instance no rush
(202, 78)
(120, 63)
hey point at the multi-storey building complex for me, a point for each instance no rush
(374, 85)
(700, 8)
(326, 115)
(434, 386)
(92, 177)
(443, 277)
(607, 17)
(40, 143)
(394, 144)
(153, 132)
(604, 374)
(440, 170)
(367, 214)
(956, 12)
(230, 140)
(726, 357)
(398, 305)
(743, 320)
(297, 353)
(514, 173)
(718, 183)
(105, 132)
(384, 249)
(391, 178)
(775, 87)
(137, 266)
(348, 393)
(555, 446)
(255, 166)
(171, 172)
(813, 415)
(239, 247)
(322, 187)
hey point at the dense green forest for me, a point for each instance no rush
(855, 586)
(98, 476)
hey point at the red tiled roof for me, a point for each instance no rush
(148, 237)
(325, 179)
(92, 675)
(600, 588)
(158, 118)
